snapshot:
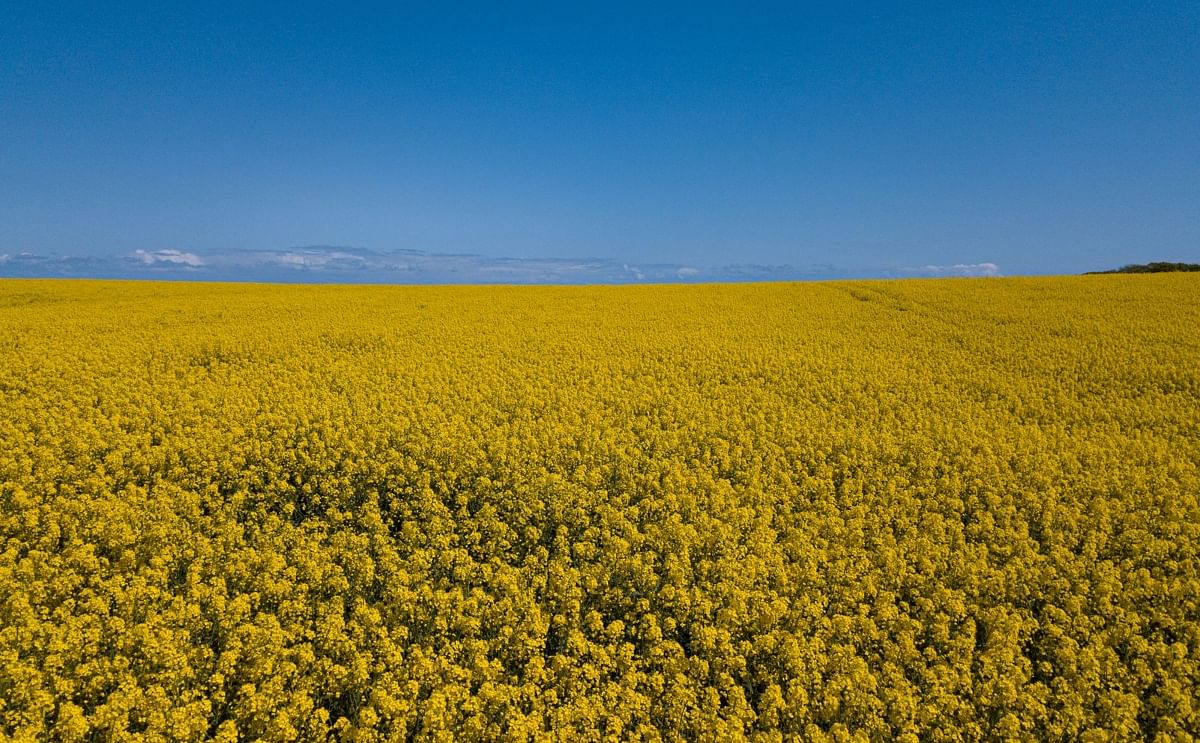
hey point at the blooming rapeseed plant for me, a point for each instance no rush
(911, 510)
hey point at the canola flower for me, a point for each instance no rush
(908, 510)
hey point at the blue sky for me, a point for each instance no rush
(607, 142)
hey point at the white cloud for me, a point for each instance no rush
(167, 258)
(687, 272)
(300, 260)
(316, 259)
(961, 269)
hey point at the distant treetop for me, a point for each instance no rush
(1159, 267)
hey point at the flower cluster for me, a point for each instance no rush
(912, 510)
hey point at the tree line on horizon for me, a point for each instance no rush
(1155, 267)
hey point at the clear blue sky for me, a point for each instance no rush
(883, 140)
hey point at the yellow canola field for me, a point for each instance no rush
(903, 510)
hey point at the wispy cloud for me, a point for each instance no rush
(959, 269)
(167, 258)
(26, 264)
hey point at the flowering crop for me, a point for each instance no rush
(911, 510)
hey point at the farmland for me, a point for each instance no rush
(911, 510)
